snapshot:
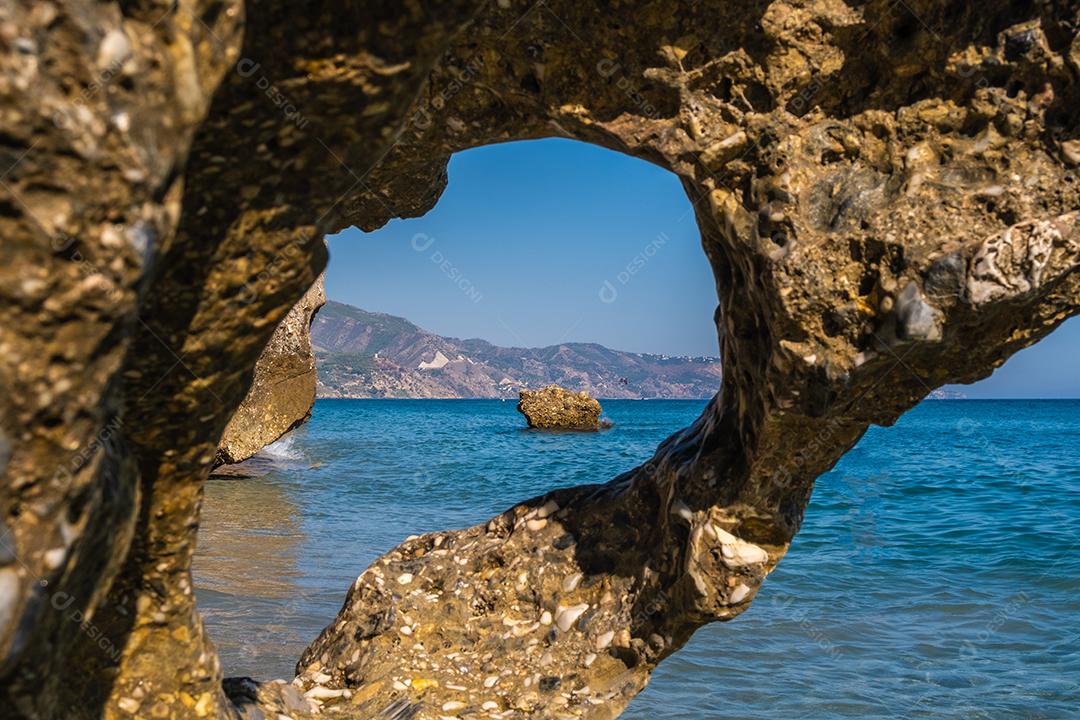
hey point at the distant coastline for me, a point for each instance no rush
(511, 399)
(362, 354)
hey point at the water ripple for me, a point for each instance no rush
(936, 575)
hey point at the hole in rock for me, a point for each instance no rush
(543, 262)
(878, 608)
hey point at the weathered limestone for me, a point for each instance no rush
(554, 407)
(98, 106)
(283, 389)
(887, 193)
(146, 267)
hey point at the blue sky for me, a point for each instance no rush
(548, 241)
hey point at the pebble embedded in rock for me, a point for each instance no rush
(737, 552)
(570, 582)
(323, 693)
(113, 51)
(55, 557)
(567, 616)
(739, 593)
(129, 705)
(549, 508)
(916, 318)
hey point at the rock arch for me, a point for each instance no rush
(886, 192)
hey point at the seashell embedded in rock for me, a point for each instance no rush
(567, 616)
(737, 552)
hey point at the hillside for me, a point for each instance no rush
(365, 354)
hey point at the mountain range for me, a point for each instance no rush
(361, 354)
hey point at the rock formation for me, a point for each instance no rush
(554, 407)
(887, 193)
(283, 387)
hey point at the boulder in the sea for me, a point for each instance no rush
(555, 407)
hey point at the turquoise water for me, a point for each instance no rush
(936, 576)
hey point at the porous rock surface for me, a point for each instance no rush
(283, 388)
(886, 191)
(555, 407)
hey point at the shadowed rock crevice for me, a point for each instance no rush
(886, 192)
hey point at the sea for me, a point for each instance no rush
(937, 574)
